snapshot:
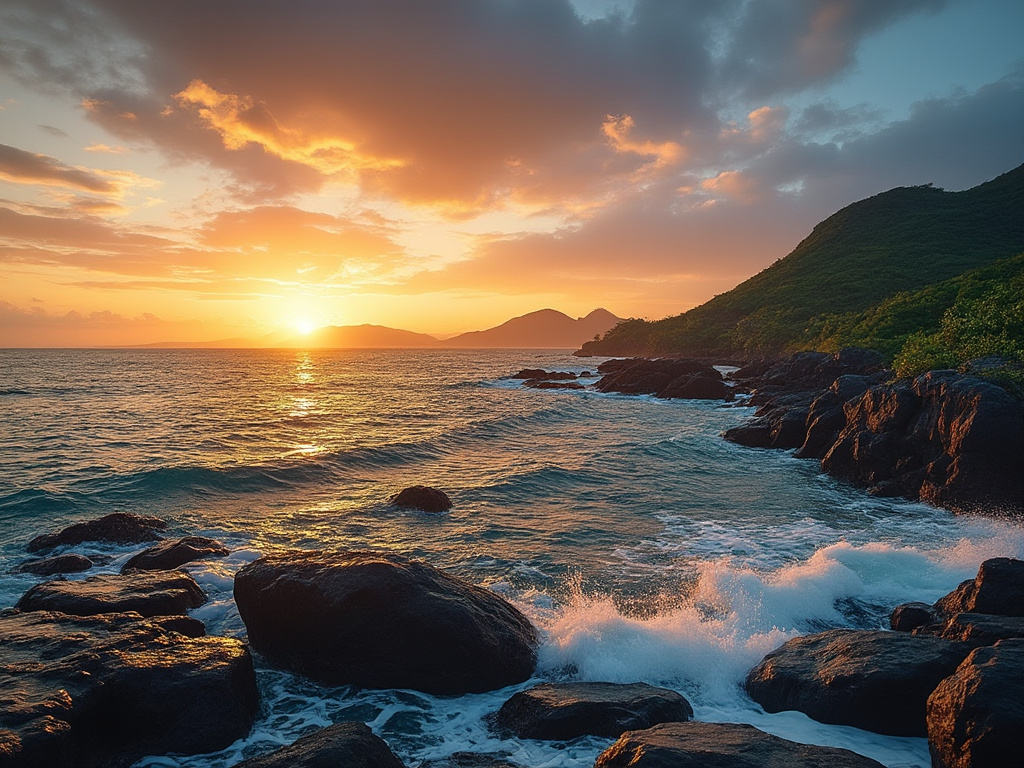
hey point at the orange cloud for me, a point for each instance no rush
(240, 121)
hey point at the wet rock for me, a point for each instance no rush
(543, 384)
(422, 498)
(149, 594)
(168, 555)
(720, 745)
(976, 716)
(980, 628)
(952, 440)
(663, 377)
(998, 589)
(697, 387)
(875, 680)
(379, 620)
(80, 692)
(564, 711)
(117, 527)
(909, 616)
(48, 566)
(348, 744)
(540, 374)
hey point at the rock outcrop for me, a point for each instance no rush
(78, 692)
(155, 593)
(564, 711)
(667, 378)
(976, 716)
(117, 527)
(348, 745)
(48, 566)
(379, 620)
(720, 745)
(952, 440)
(170, 554)
(423, 498)
(875, 680)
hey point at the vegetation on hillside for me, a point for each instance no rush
(887, 263)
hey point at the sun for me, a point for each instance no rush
(304, 325)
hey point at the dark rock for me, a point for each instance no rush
(422, 498)
(117, 527)
(170, 554)
(647, 377)
(976, 716)
(564, 711)
(542, 375)
(697, 387)
(379, 620)
(107, 690)
(753, 369)
(875, 680)
(542, 384)
(754, 434)
(998, 589)
(981, 628)
(721, 745)
(909, 616)
(47, 566)
(342, 745)
(150, 594)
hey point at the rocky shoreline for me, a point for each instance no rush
(109, 668)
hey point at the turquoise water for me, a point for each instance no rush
(642, 545)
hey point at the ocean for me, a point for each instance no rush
(642, 545)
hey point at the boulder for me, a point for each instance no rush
(648, 377)
(117, 527)
(875, 680)
(79, 692)
(697, 387)
(348, 744)
(149, 594)
(909, 616)
(976, 716)
(168, 555)
(564, 711)
(378, 620)
(422, 498)
(998, 589)
(48, 566)
(721, 745)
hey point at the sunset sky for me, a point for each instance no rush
(195, 170)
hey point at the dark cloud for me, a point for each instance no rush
(27, 167)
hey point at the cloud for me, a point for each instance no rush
(29, 168)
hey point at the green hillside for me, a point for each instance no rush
(896, 242)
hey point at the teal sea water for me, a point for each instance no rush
(642, 545)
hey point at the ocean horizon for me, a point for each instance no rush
(643, 546)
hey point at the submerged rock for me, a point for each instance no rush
(875, 680)
(170, 554)
(79, 692)
(720, 745)
(422, 498)
(149, 594)
(470, 760)
(976, 716)
(539, 374)
(342, 745)
(48, 566)
(567, 710)
(378, 620)
(117, 527)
